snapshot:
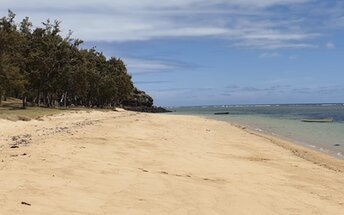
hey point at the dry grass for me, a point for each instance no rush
(11, 110)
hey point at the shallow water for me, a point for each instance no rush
(285, 121)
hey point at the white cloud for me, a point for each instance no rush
(140, 66)
(269, 55)
(147, 4)
(330, 45)
(248, 23)
(265, 3)
(293, 57)
(267, 44)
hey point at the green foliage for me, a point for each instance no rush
(39, 66)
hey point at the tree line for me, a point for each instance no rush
(43, 68)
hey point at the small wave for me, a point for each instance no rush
(261, 105)
(323, 150)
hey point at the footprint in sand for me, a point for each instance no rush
(163, 172)
(143, 170)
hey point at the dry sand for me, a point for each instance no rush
(136, 163)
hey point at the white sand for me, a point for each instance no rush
(135, 163)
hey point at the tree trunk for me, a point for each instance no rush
(38, 98)
(65, 100)
(48, 101)
(61, 100)
(51, 101)
(24, 102)
(45, 99)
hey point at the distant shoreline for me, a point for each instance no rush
(258, 105)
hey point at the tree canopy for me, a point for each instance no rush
(41, 67)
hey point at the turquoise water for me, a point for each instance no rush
(285, 121)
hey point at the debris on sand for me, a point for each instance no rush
(20, 140)
(25, 203)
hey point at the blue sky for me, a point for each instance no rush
(201, 52)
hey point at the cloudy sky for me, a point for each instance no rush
(199, 52)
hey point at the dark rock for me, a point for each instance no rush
(152, 109)
(141, 102)
(138, 98)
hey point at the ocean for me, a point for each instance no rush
(284, 121)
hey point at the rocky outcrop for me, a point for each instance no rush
(139, 98)
(142, 102)
(152, 109)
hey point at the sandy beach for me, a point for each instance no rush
(136, 163)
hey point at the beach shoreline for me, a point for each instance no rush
(292, 141)
(326, 138)
(301, 150)
(137, 163)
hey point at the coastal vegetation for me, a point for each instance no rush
(41, 67)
